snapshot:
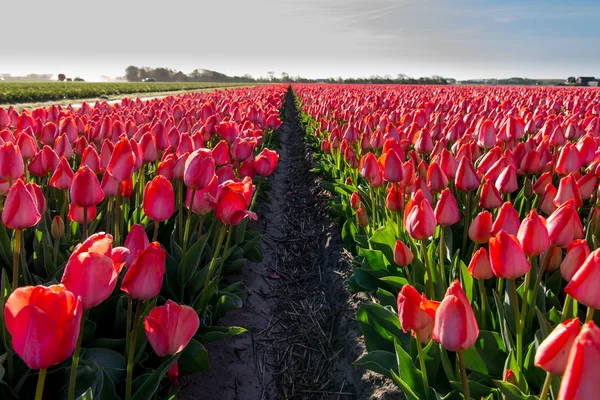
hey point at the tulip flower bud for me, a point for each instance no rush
(510, 377)
(58, 227)
(455, 311)
(540, 184)
(361, 218)
(583, 287)
(554, 259)
(414, 310)
(419, 219)
(580, 380)
(480, 266)
(564, 225)
(402, 254)
(355, 201)
(507, 220)
(577, 252)
(568, 190)
(507, 257)
(533, 235)
(553, 352)
(466, 178)
(480, 230)
(170, 328)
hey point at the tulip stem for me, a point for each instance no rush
(442, 253)
(566, 311)
(467, 223)
(85, 223)
(538, 281)
(180, 202)
(546, 387)
(131, 352)
(75, 363)
(16, 250)
(55, 255)
(155, 236)
(108, 214)
(422, 362)
(128, 327)
(200, 226)
(188, 222)
(463, 375)
(589, 315)
(427, 268)
(211, 268)
(484, 305)
(117, 213)
(255, 193)
(518, 331)
(39, 391)
(225, 248)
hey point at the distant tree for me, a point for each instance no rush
(271, 75)
(78, 79)
(69, 80)
(61, 77)
(132, 73)
(180, 77)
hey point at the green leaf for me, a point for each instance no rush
(504, 331)
(110, 361)
(213, 333)
(226, 303)
(386, 298)
(406, 390)
(467, 281)
(349, 230)
(384, 239)
(193, 359)
(192, 258)
(511, 392)
(407, 370)
(379, 361)
(87, 395)
(488, 354)
(151, 383)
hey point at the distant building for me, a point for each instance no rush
(586, 81)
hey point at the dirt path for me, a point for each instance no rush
(302, 337)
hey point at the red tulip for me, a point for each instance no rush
(490, 197)
(564, 225)
(553, 260)
(369, 167)
(266, 162)
(11, 162)
(419, 219)
(587, 184)
(170, 328)
(455, 325)
(540, 184)
(122, 161)
(414, 310)
(568, 190)
(507, 257)
(91, 158)
(199, 169)
(76, 213)
(362, 218)
(402, 254)
(242, 148)
(480, 230)
(577, 253)
(220, 153)
(148, 148)
(553, 353)
(85, 188)
(507, 220)
(136, 242)
(580, 381)
(392, 166)
(436, 178)
(480, 266)
(446, 209)
(202, 198)
(355, 202)
(159, 199)
(233, 200)
(466, 178)
(533, 235)
(20, 208)
(507, 180)
(93, 269)
(568, 160)
(583, 287)
(547, 203)
(63, 175)
(394, 201)
(143, 279)
(44, 324)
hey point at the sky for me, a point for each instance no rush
(312, 38)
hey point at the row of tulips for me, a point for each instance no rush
(120, 223)
(473, 216)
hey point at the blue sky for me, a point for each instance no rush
(316, 38)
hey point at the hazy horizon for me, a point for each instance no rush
(462, 39)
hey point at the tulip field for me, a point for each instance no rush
(472, 215)
(120, 226)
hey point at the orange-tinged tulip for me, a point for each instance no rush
(580, 381)
(480, 266)
(402, 254)
(553, 353)
(44, 324)
(455, 325)
(577, 252)
(446, 210)
(507, 257)
(480, 230)
(413, 311)
(583, 287)
(85, 188)
(533, 235)
(93, 269)
(170, 328)
(419, 219)
(143, 279)
(20, 208)
(159, 199)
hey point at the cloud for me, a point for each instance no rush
(503, 20)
